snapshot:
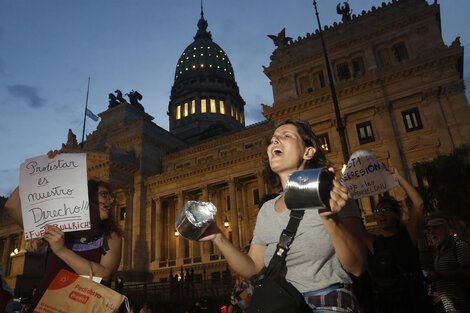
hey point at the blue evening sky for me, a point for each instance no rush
(49, 48)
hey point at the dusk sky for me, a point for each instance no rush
(49, 48)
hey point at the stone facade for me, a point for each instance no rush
(401, 96)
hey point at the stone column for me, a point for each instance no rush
(22, 242)
(158, 229)
(206, 245)
(128, 245)
(180, 239)
(6, 255)
(149, 231)
(261, 189)
(233, 212)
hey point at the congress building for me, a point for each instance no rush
(401, 96)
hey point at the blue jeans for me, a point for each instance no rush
(322, 292)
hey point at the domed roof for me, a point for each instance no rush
(203, 56)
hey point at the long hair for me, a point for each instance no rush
(98, 226)
(309, 139)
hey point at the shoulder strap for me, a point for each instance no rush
(278, 261)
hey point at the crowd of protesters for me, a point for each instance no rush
(333, 261)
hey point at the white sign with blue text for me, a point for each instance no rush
(54, 192)
(366, 176)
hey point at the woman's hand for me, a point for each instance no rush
(211, 233)
(53, 153)
(338, 198)
(55, 237)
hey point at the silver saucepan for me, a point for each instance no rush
(194, 219)
(309, 189)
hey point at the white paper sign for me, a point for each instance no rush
(366, 176)
(54, 191)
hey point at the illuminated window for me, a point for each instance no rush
(203, 106)
(213, 108)
(185, 113)
(324, 142)
(178, 112)
(231, 110)
(412, 119)
(193, 106)
(365, 133)
(242, 118)
(236, 115)
(222, 107)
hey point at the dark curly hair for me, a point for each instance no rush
(309, 139)
(98, 226)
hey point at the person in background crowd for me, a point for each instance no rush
(196, 308)
(451, 275)
(233, 306)
(145, 308)
(393, 260)
(327, 245)
(97, 249)
(27, 306)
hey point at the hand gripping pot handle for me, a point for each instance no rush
(309, 189)
(194, 219)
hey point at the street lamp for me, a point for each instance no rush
(340, 128)
(176, 233)
(226, 223)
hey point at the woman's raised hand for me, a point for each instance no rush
(55, 237)
(210, 233)
(53, 153)
(338, 198)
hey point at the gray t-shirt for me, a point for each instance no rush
(311, 261)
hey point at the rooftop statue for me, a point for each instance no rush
(280, 40)
(134, 97)
(71, 141)
(115, 100)
(345, 11)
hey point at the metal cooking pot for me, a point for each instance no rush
(194, 219)
(309, 189)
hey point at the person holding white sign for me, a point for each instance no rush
(393, 262)
(327, 245)
(96, 251)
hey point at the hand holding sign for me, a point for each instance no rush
(366, 176)
(54, 191)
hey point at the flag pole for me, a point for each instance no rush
(86, 108)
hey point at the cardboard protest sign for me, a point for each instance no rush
(366, 176)
(54, 191)
(70, 293)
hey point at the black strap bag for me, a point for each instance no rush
(273, 293)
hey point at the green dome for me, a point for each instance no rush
(203, 57)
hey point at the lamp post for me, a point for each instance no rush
(340, 128)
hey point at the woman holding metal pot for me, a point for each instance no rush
(327, 246)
